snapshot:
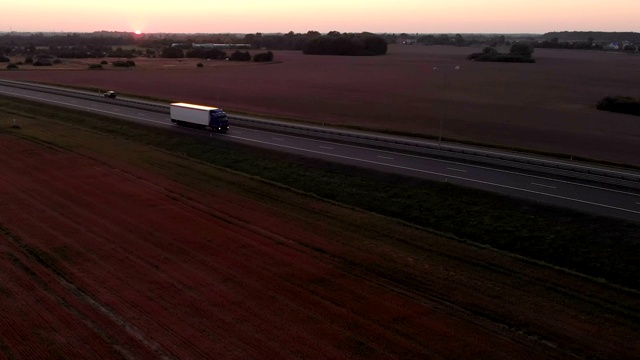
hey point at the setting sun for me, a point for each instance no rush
(138, 32)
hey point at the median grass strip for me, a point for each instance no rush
(597, 246)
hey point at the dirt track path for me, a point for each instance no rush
(101, 259)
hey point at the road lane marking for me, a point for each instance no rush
(66, 104)
(277, 139)
(480, 167)
(326, 147)
(445, 175)
(460, 170)
(543, 185)
(385, 157)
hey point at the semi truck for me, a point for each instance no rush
(199, 117)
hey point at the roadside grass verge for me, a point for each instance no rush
(599, 247)
(514, 149)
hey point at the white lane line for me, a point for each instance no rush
(141, 114)
(460, 170)
(385, 157)
(390, 165)
(326, 147)
(66, 104)
(485, 168)
(277, 139)
(445, 175)
(543, 185)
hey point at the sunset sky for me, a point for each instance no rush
(379, 16)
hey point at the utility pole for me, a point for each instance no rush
(444, 103)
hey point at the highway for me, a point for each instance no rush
(586, 195)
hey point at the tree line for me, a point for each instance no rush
(519, 52)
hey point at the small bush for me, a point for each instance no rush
(12, 66)
(57, 61)
(28, 60)
(498, 57)
(95, 66)
(42, 62)
(104, 62)
(620, 104)
(4, 59)
(131, 63)
(199, 65)
(121, 63)
(240, 56)
(263, 57)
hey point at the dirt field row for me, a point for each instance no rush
(547, 106)
(104, 253)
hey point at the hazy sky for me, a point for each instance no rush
(391, 16)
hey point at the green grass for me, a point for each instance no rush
(596, 246)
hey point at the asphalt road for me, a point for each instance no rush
(590, 197)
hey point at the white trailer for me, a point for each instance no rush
(199, 116)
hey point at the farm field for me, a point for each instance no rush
(111, 249)
(548, 106)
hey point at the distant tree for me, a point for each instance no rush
(345, 45)
(123, 63)
(342, 46)
(522, 49)
(12, 66)
(263, 57)
(459, 40)
(333, 33)
(427, 39)
(375, 45)
(172, 52)
(42, 62)
(443, 39)
(201, 53)
(240, 56)
(491, 54)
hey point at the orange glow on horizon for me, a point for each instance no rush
(250, 16)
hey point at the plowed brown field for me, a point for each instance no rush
(546, 106)
(106, 253)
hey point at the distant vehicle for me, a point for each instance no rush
(110, 94)
(199, 117)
